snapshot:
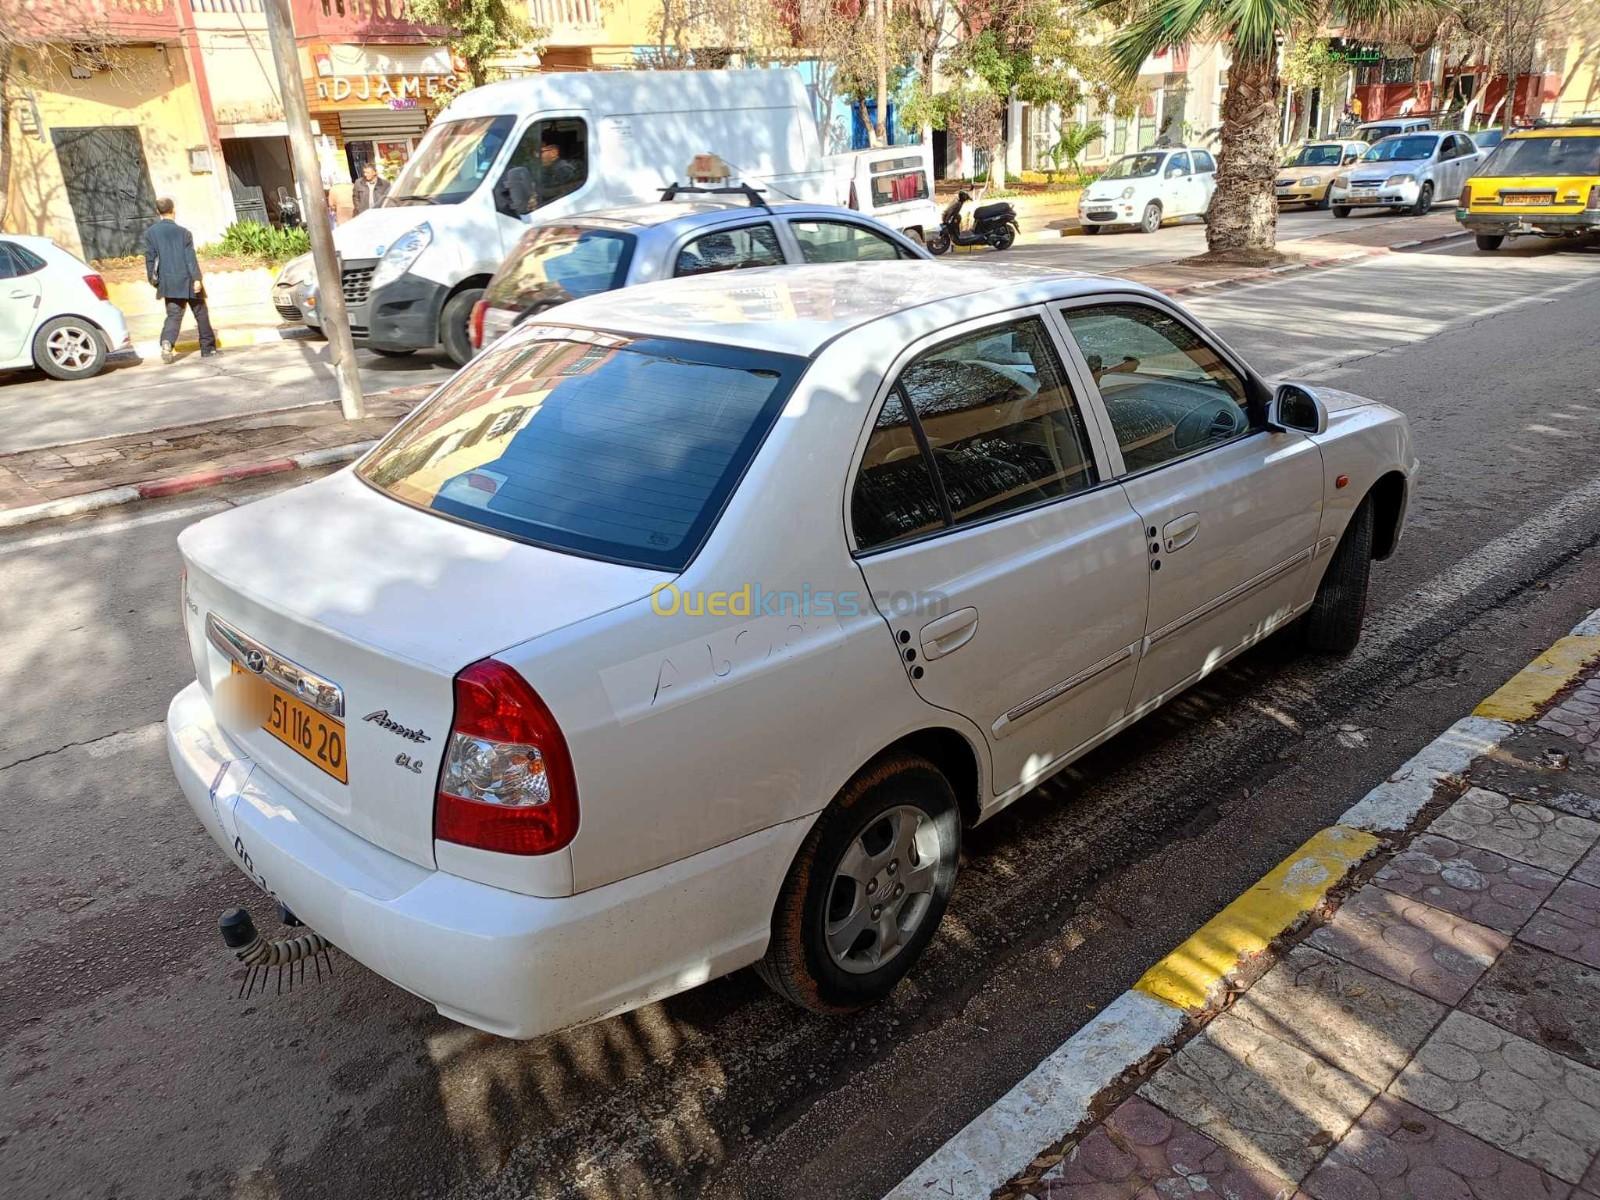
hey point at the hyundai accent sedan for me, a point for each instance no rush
(692, 630)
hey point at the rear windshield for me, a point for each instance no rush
(1568, 155)
(1403, 149)
(605, 446)
(557, 263)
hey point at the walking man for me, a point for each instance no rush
(371, 189)
(174, 272)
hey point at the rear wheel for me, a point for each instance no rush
(1341, 210)
(1333, 623)
(454, 332)
(69, 348)
(867, 889)
(1424, 204)
(1151, 220)
(1489, 241)
(938, 242)
(1002, 239)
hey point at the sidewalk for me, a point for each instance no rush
(1407, 1007)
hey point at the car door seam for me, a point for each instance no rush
(1056, 691)
(1234, 594)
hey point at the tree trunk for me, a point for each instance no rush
(997, 162)
(880, 124)
(6, 53)
(1244, 215)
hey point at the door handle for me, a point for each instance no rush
(948, 633)
(21, 295)
(1179, 532)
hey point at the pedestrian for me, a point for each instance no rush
(174, 272)
(1355, 108)
(372, 189)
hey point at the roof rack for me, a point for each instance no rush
(673, 190)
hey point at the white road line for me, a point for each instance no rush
(120, 526)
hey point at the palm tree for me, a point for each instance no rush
(1075, 139)
(1244, 215)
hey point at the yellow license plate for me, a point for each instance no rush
(1528, 200)
(314, 736)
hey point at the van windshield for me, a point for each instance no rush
(452, 161)
(597, 444)
(556, 263)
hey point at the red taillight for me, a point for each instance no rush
(478, 311)
(507, 783)
(97, 285)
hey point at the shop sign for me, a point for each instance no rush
(397, 91)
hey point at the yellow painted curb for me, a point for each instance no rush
(1524, 695)
(1277, 900)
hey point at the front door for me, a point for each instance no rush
(1010, 571)
(1230, 511)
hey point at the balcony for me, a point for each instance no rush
(336, 20)
(95, 20)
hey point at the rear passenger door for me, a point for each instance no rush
(728, 248)
(1011, 572)
(1230, 510)
(19, 301)
(1205, 171)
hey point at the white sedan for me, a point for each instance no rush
(56, 315)
(1149, 187)
(689, 627)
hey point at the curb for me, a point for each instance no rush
(174, 485)
(1265, 273)
(1055, 1099)
(227, 339)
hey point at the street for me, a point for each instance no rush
(132, 1070)
(138, 395)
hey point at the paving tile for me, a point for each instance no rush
(1578, 716)
(1139, 1151)
(1591, 1181)
(1509, 1092)
(1588, 871)
(1569, 923)
(1437, 953)
(1480, 885)
(1544, 998)
(1267, 1101)
(1530, 833)
(1360, 1022)
(1398, 1152)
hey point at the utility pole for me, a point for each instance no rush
(330, 287)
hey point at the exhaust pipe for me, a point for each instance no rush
(261, 954)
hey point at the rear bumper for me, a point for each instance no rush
(1507, 224)
(515, 965)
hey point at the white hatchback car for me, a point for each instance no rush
(690, 629)
(1149, 187)
(56, 315)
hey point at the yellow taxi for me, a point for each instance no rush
(1307, 173)
(1544, 181)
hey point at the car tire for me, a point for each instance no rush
(388, 353)
(895, 822)
(1489, 241)
(1333, 623)
(1341, 211)
(1321, 205)
(1150, 221)
(938, 243)
(69, 348)
(1424, 204)
(455, 335)
(1003, 239)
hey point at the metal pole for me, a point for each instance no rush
(314, 200)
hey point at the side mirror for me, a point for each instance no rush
(1294, 407)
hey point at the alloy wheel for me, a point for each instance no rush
(72, 348)
(882, 889)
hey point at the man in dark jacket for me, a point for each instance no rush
(371, 190)
(174, 272)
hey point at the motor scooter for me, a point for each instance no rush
(992, 225)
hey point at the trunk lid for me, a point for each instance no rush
(336, 586)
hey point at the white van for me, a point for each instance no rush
(554, 145)
(893, 184)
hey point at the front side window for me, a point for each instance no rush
(610, 447)
(452, 161)
(551, 160)
(840, 241)
(1168, 393)
(556, 263)
(1001, 427)
(730, 250)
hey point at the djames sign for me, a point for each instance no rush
(383, 89)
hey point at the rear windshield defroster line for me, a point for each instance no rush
(618, 448)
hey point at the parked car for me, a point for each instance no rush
(725, 230)
(1307, 175)
(1376, 131)
(1149, 187)
(1487, 139)
(1542, 181)
(57, 315)
(689, 626)
(1410, 171)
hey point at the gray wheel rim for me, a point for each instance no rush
(882, 889)
(72, 348)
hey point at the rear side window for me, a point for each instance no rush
(894, 496)
(10, 268)
(841, 241)
(625, 450)
(1204, 163)
(730, 250)
(557, 263)
(898, 186)
(18, 260)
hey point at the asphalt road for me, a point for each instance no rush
(131, 1070)
(138, 395)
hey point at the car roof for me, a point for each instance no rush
(1549, 131)
(799, 309)
(687, 214)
